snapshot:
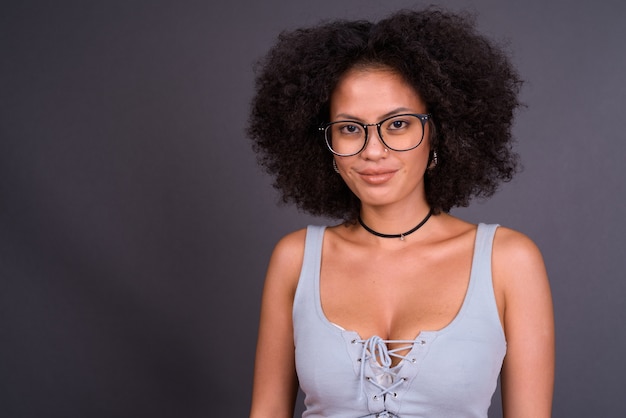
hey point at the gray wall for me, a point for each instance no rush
(135, 226)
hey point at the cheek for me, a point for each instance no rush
(343, 169)
(342, 163)
(419, 159)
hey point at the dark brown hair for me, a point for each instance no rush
(466, 81)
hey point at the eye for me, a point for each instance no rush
(348, 128)
(395, 124)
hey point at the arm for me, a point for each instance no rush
(275, 382)
(528, 370)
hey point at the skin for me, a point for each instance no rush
(431, 266)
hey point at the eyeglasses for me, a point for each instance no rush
(398, 133)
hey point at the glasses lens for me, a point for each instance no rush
(345, 137)
(402, 132)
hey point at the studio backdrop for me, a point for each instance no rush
(136, 226)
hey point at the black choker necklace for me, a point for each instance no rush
(401, 236)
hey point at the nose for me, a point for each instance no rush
(374, 148)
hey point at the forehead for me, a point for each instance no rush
(372, 92)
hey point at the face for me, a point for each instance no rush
(376, 176)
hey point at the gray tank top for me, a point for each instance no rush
(451, 372)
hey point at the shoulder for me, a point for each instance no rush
(518, 268)
(286, 260)
(513, 249)
(290, 248)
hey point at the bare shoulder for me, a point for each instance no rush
(286, 261)
(290, 248)
(513, 251)
(518, 268)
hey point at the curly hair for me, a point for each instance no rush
(466, 81)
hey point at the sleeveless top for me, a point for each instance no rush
(451, 372)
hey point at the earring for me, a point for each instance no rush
(433, 161)
(335, 166)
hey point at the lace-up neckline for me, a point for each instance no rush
(376, 351)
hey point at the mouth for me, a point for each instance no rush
(376, 177)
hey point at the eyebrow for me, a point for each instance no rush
(386, 115)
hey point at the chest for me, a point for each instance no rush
(394, 294)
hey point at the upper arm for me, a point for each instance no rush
(275, 381)
(528, 370)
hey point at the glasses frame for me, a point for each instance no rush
(424, 118)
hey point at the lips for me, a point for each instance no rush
(376, 177)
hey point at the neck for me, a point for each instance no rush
(400, 232)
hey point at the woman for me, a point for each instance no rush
(402, 310)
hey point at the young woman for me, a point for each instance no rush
(401, 310)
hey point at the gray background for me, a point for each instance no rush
(135, 226)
